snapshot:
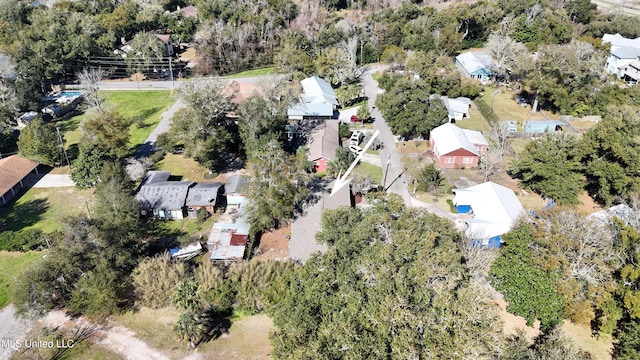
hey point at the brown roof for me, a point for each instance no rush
(13, 169)
(164, 38)
(189, 11)
(325, 141)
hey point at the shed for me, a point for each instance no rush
(236, 188)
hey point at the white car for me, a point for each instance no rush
(355, 149)
(356, 136)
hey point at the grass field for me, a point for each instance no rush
(133, 105)
(181, 166)
(44, 208)
(12, 264)
(374, 172)
(506, 107)
(475, 121)
(255, 72)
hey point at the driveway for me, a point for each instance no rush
(163, 126)
(396, 181)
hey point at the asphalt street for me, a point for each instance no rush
(396, 180)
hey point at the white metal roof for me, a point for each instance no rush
(310, 109)
(495, 209)
(317, 90)
(618, 41)
(475, 60)
(448, 138)
(626, 53)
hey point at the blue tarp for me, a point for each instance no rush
(174, 250)
(463, 209)
(494, 242)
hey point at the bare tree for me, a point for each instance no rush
(505, 52)
(137, 168)
(8, 103)
(89, 79)
(494, 159)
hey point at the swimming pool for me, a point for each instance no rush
(542, 126)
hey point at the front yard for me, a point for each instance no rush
(11, 265)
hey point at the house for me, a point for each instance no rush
(207, 195)
(13, 170)
(163, 38)
(489, 210)
(161, 198)
(236, 188)
(454, 147)
(228, 238)
(457, 108)
(26, 118)
(618, 41)
(318, 100)
(475, 65)
(632, 73)
(620, 58)
(187, 11)
(604, 217)
(324, 142)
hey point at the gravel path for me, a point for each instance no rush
(54, 180)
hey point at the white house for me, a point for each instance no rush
(490, 210)
(318, 100)
(619, 60)
(618, 41)
(457, 108)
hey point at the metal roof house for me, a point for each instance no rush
(618, 41)
(490, 211)
(236, 188)
(318, 101)
(13, 170)
(619, 60)
(228, 237)
(454, 147)
(605, 217)
(475, 65)
(205, 195)
(457, 108)
(324, 142)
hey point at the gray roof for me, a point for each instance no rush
(203, 194)
(156, 176)
(626, 53)
(325, 141)
(237, 184)
(164, 195)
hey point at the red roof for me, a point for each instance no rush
(12, 170)
(239, 240)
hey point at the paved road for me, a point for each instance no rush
(396, 181)
(167, 85)
(623, 6)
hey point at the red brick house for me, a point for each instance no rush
(324, 142)
(454, 147)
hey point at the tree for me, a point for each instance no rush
(108, 132)
(505, 53)
(494, 159)
(38, 141)
(550, 167)
(277, 187)
(89, 79)
(86, 168)
(529, 291)
(146, 50)
(202, 129)
(8, 103)
(190, 328)
(363, 113)
(429, 178)
(390, 275)
(627, 346)
(582, 11)
(394, 56)
(341, 162)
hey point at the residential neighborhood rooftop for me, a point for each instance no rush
(164, 194)
(475, 60)
(203, 194)
(448, 137)
(325, 141)
(13, 169)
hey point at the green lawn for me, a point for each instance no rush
(181, 166)
(249, 73)
(134, 105)
(374, 172)
(45, 208)
(12, 264)
(506, 107)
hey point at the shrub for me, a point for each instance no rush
(24, 240)
(486, 110)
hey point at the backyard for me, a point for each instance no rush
(143, 108)
(507, 108)
(11, 265)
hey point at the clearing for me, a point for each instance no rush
(44, 208)
(274, 245)
(143, 108)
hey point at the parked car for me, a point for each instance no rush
(357, 136)
(355, 149)
(355, 118)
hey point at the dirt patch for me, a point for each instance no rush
(587, 204)
(248, 339)
(599, 348)
(274, 245)
(512, 322)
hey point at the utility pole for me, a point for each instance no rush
(386, 171)
(64, 151)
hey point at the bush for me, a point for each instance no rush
(343, 130)
(24, 240)
(486, 111)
